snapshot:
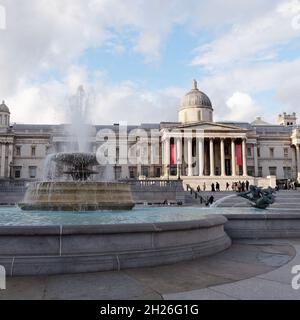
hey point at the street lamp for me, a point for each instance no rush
(178, 169)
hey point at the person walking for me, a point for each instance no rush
(243, 186)
(217, 186)
(227, 186)
(198, 189)
(204, 186)
(211, 200)
(247, 185)
(213, 187)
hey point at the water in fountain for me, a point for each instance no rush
(68, 183)
(220, 201)
(79, 129)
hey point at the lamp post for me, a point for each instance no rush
(179, 169)
(115, 169)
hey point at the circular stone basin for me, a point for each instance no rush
(71, 248)
(77, 196)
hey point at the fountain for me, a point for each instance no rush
(257, 197)
(68, 184)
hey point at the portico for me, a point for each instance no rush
(205, 150)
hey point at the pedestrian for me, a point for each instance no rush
(211, 200)
(239, 186)
(247, 185)
(213, 187)
(243, 186)
(204, 186)
(227, 186)
(198, 189)
(217, 186)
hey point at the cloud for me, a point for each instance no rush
(241, 107)
(126, 101)
(246, 42)
(44, 40)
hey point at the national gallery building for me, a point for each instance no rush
(195, 149)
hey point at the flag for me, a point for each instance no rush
(173, 154)
(239, 156)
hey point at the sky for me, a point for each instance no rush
(137, 58)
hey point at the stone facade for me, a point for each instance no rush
(195, 148)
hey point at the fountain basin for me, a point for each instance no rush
(77, 196)
(44, 250)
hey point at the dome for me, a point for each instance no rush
(196, 98)
(4, 107)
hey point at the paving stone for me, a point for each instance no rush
(202, 294)
(23, 288)
(259, 289)
(96, 286)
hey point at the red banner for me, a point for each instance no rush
(173, 154)
(239, 156)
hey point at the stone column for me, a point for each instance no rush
(222, 157)
(10, 159)
(201, 156)
(167, 156)
(178, 155)
(298, 160)
(2, 172)
(190, 158)
(255, 160)
(211, 156)
(244, 158)
(233, 160)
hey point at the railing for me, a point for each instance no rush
(154, 183)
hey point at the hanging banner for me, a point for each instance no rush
(239, 156)
(173, 154)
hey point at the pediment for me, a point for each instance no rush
(212, 126)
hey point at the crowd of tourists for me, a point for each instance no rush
(240, 186)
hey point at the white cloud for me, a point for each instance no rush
(241, 107)
(246, 42)
(47, 37)
(109, 103)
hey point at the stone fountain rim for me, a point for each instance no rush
(207, 221)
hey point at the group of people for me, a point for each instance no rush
(240, 186)
(289, 185)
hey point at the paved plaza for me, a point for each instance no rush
(248, 270)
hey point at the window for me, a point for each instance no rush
(249, 153)
(33, 151)
(18, 172)
(145, 171)
(286, 152)
(18, 151)
(258, 152)
(157, 172)
(271, 152)
(273, 171)
(132, 172)
(250, 171)
(287, 171)
(32, 172)
(260, 172)
(118, 171)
